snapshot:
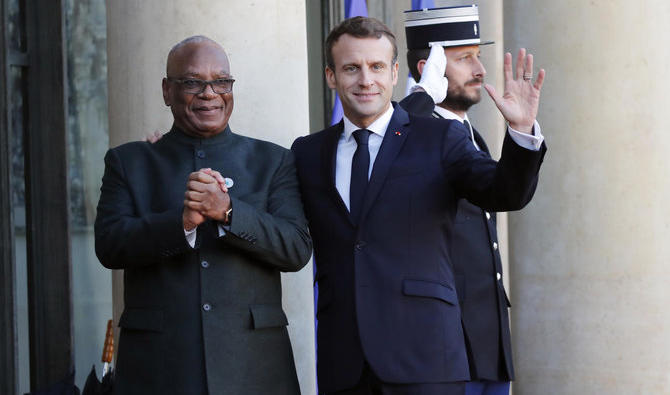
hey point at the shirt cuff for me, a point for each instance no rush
(222, 229)
(191, 236)
(531, 142)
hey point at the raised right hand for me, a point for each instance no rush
(433, 79)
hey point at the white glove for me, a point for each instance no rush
(433, 80)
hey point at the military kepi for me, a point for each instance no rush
(447, 26)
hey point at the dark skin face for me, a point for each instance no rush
(205, 114)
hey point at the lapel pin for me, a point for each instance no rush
(398, 133)
(229, 182)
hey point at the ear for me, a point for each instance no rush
(330, 78)
(420, 64)
(166, 92)
(395, 73)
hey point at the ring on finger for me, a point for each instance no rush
(527, 76)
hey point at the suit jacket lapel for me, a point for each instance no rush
(478, 138)
(394, 138)
(480, 141)
(328, 158)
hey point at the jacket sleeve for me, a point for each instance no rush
(418, 103)
(279, 235)
(506, 185)
(124, 238)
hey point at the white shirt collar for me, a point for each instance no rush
(377, 127)
(446, 114)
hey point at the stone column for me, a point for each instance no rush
(589, 256)
(267, 47)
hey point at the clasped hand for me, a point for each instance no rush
(206, 197)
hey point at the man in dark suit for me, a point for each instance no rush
(202, 253)
(380, 191)
(474, 250)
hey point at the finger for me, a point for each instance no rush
(201, 176)
(507, 66)
(529, 64)
(198, 186)
(194, 196)
(196, 206)
(540, 79)
(519, 63)
(437, 57)
(219, 178)
(492, 93)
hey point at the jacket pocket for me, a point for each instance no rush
(430, 289)
(267, 316)
(142, 319)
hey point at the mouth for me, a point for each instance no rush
(365, 96)
(475, 83)
(207, 110)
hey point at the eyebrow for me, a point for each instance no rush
(220, 74)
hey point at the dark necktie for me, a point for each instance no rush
(359, 173)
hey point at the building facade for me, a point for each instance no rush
(587, 259)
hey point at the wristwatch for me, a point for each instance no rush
(228, 216)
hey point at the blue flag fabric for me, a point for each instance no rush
(352, 8)
(421, 4)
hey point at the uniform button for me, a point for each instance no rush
(498, 276)
(495, 245)
(204, 264)
(200, 153)
(207, 307)
(488, 215)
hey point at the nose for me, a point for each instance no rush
(479, 70)
(365, 78)
(208, 92)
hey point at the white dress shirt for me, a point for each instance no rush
(346, 146)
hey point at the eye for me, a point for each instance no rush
(191, 83)
(350, 68)
(378, 66)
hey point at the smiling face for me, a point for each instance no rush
(207, 113)
(465, 74)
(363, 74)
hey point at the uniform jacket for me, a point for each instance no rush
(387, 292)
(206, 319)
(478, 272)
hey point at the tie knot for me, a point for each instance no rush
(362, 136)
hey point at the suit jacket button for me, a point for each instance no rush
(204, 264)
(207, 307)
(200, 153)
